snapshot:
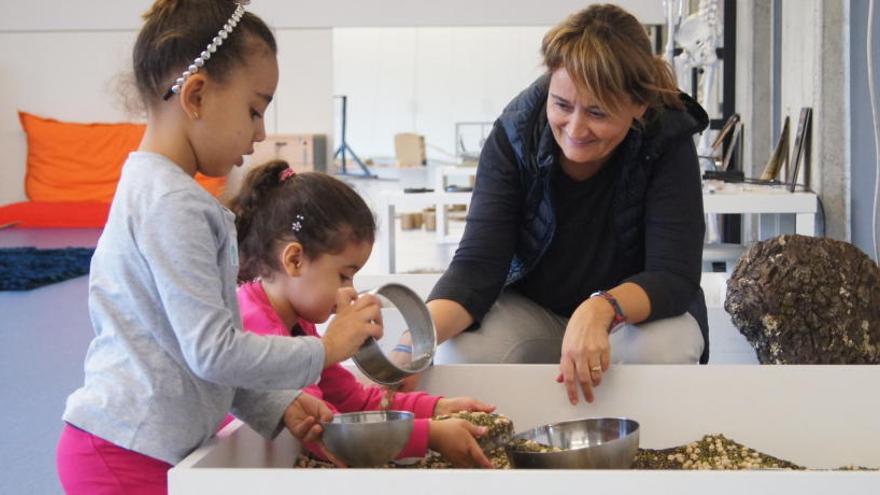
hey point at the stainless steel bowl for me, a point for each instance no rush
(369, 438)
(594, 443)
(374, 363)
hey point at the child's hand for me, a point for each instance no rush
(303, 415)
(356, 319)
(456, 404)
(302, 419)
(455, 440)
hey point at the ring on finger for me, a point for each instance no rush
(596, 369)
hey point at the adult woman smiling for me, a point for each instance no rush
(584, 236)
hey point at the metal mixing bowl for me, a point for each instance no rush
(369, 438)
(374, 363)
(594, 443)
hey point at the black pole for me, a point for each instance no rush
(731, 230)
(728, 105)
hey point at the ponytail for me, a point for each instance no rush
(320, 212)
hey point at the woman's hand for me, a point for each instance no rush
(586, 349)
(456, 404)
(357, 318)
(302, 418)
(455, 440)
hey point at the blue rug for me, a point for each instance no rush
(26, 268)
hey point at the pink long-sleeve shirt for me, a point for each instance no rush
(337, 386)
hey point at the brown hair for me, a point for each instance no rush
(175, 32)
(329, 213)
(607, 53)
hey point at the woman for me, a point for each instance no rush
(584, 238)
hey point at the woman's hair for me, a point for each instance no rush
(323, 214)
(607, 53)
(175, 32)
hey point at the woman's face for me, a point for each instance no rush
(585, 132)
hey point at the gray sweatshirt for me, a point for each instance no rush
(169, 358)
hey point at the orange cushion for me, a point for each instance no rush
(43, 214)
(82, 162)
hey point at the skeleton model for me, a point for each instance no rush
(698, 36)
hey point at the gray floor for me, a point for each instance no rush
(46, 333)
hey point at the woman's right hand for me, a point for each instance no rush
(455, 440)
(357, 318)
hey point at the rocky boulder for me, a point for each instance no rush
(807, 300)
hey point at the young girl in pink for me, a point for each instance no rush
(302, 238)
(169, 358)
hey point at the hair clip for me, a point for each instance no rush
(199, 61)
(296, 226)
(286, 174)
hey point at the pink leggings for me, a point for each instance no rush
(90, 464)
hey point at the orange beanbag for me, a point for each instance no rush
(73, 162)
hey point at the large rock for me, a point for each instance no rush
(807, 300)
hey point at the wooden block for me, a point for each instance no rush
(430, 217)
(410, 221)
(304, 152)
(410, 150)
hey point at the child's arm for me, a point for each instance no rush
(182, 241)
(344, 391)
(263, 410)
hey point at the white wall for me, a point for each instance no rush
(424, 80)
(53, 15)
(73, 76)
(61, 58)
(815, 47)
(64, 75)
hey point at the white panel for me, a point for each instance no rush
(52, 15)
(425, 80)
(800, 55)
(304, 99)
(125, 14)
(67, 76)
(375, 68)
(470, 74)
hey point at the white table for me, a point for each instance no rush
(817, 416)
(441, 180)
(412, 201)
(746, 199)
(727, 199)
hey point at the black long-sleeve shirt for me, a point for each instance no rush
(582, 256)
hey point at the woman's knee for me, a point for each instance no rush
(516, 330)
(675, 340)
